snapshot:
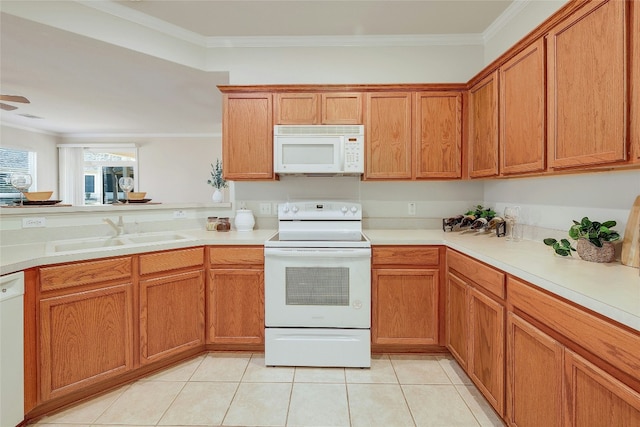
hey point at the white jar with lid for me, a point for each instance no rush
(244, 220)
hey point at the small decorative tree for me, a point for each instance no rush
(217, 181)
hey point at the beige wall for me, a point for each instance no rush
(44, 144)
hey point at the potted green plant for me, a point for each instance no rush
(594, 241)
(217, 181)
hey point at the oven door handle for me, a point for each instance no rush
(319, 252)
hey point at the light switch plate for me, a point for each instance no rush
(179, 214)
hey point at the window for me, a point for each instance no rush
(102, 170)
(14, 161)
(90, 173)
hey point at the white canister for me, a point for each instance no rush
(244, 220)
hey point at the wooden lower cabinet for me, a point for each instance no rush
(405, 298)
(85, 337)
(236, 306)
(475, 327)
(457, 318)
(534, 376)
(595, 398)
(171, 315)
(405, 306)
(235, 296)
(486, 352)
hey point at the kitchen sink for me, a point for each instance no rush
(106, 243)
(80, 245)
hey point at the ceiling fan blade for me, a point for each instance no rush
(14, 98)
(7, 107)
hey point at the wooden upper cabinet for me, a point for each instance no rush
(297, 108)
(586, 87)
(341, 108)
(522, 112)
(327, 108)
(247, 136)
(483, 127)
(438, 135)
(388, 135)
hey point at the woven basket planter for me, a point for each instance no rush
(590, 252)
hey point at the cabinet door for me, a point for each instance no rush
(522, 111)
(438, 135)
(85, 337)
(341, 108)
(534, 376)
(596, 399)
(483, 127)
(405, 306)
(247, 136)
(486, 352)
(171, 315)
(457, 319)
(236, 306)
(635, 81)
(586, 87)
(388, 136)
(297, 108)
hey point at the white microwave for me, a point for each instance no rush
(318, 149)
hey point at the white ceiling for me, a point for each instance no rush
(81, 85)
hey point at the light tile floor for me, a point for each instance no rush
(236, 389)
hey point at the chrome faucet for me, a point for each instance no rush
(119, 227)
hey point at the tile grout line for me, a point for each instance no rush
(404, 396)
(235, 392)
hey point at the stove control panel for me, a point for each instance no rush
(313, 210)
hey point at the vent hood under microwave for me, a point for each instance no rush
(318, 149)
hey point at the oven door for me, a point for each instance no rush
(318, 287)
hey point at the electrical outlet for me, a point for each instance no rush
(411, 208)
(179, 214)
(265, 208)
(34, 222)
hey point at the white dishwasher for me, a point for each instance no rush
(11, 349)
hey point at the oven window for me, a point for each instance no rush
(317, 286)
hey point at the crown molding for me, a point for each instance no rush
(180, 33)
(133, 16)
(505, 17)
(5, 123)
(347, 41)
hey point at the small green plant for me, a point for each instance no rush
(594, 231)
(217, 180)
(480, 211)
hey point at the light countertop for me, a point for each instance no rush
(612, 289)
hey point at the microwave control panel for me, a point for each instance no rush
(354, 154)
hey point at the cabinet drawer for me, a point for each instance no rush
(612, 344)
(84, 273)
(172, 260)
(405, 255)
(236, 255)
(482, 275)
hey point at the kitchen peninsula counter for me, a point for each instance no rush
(612, 289)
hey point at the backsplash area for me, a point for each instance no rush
(548, 204)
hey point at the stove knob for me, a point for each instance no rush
(285, 208)
(294, 209)
(354, 209)
(344, 209)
